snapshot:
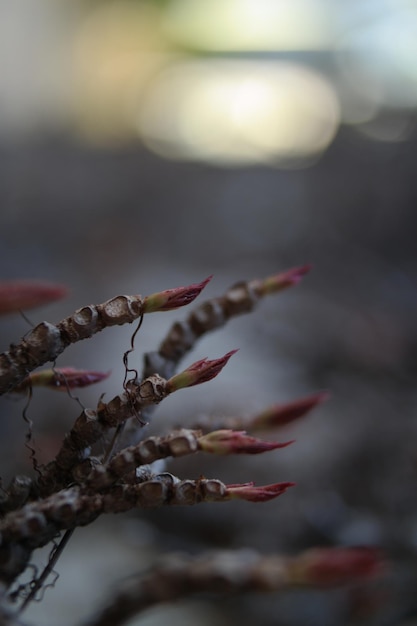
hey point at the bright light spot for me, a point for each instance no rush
(380, 57)
(249, 24)
(239, 112)
(116, 50)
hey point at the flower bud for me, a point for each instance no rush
(20, 295)
(248, 491)
(62, 379)
(236, 442)
(173, 298)
(197, 373)
(281, 414)
(282, 280)
(334, 566)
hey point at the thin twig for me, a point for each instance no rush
(120, 427)
(48, 569)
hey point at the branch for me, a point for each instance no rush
(180, 443)
(274, 417)
(47, 341)
(15, 495)
(91, 425)
(39, 522)
(212, 314)
(178, 576)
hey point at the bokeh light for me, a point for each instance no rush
(239, 112)
(376, 70)
(249, 25)
(221, 81)
(380, 54)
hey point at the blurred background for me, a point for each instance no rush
(148, 144)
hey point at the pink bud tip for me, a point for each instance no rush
(236, 442)
(199, 372)
(283, 280)
(281, 414)
(73, 378)
(20, 295)
(335, 566)
(249, 492)
(62, 379)
(173, 298)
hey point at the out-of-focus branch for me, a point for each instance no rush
(272, 418)
(8, 615)
(15, 495)
(178, 576)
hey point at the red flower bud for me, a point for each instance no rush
(334, 566)
(25, 294)
(173, 298)
(281, 414)
(236, 442)
(62, 379)
(199, 372)
(281, 281)
(248, 491)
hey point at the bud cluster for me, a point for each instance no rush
(75, 487)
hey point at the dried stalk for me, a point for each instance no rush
(178, 576)
(91, 425)
(47, 341)
(37, 523)
(274, 417)
(15, 495)
(180, 443)
(118, 484)
(212, 314)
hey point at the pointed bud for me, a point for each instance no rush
(173, 298)
(20, 295)
(248, 491)
(281, 414)
(199, 372)
(280, 281)
(236, 442)
(334, 566)
(62, 379)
